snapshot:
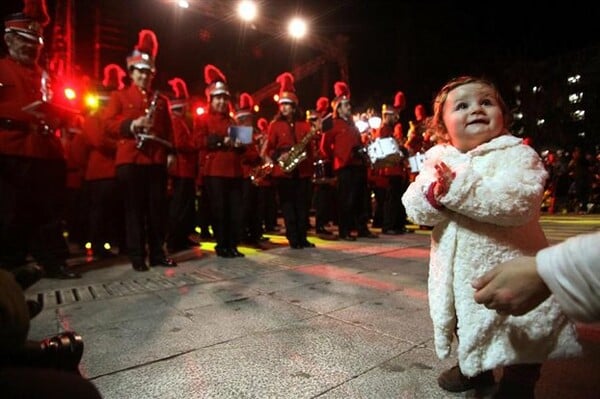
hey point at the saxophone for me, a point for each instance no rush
(298, 152)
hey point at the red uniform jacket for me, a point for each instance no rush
(123, 107)
(21, 86)
(103, 150)
(341, 142)
(281, 137)
(186, 164)
(219, 159)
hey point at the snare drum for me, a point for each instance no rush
(384, 152)
(323, 172)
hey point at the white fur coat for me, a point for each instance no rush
(490, 215)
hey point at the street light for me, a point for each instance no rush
(297, 28)
(247, 10)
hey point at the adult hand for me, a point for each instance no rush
(512, 287)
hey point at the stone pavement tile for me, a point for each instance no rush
(300, 360)
(410, 375)
(395, 315)
(158, 335)
(329, 296)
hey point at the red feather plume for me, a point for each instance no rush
(262, 124)
(113, 76)
(341, 89)
(213, 74)
(246, 101)
(286, 82)
(36, 10)
(322, 104)
(399, 101)
(179, 88)
(147, 42)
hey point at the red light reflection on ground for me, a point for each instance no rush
(416, 253)
(334, 273)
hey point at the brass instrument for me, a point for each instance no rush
(298, 152)
(260, 173)
(144, 134)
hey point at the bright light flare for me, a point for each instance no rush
(199, 111)
(92, 101)
(297, 28)
(247, 10)
(183, 4)
(70, 94)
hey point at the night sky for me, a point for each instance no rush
(412, 46)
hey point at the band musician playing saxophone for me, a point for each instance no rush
(291, 150)
(142, 164)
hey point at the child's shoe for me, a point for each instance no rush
(453, 380)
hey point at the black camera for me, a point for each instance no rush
(60, 352)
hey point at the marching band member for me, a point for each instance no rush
(105, 201)
(394, 214)
(343, 144)
(182, 172)
(324, 190)
(32, 160)
(141, 161)
(222, 164)
(267, 194)
(251, 225)
(289, 131)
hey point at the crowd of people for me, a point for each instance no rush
(151, 172)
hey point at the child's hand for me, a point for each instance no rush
(445, 176)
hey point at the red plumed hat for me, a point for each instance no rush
(180, 92)
(287, 91)
(322, 105)
(262, 124)
(399, 101)
(179, 88)
(216, 82)
(144, 52)
(342, 94)
(31, 22)
(113, 77)
(245, 106)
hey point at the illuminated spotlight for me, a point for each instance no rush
(276, 98)
(92, 101)
(247, 10)
(297, 28)
(199, 111)
(88, 245)
(183, 4)
(256, 108)
(70, 93)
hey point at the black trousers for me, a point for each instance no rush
(252, 225)
(324, 203)
(293, 199)
(32, 198)
(144, 190)
(352, 199)
(224, 195)
(182, 209)
(394, 214)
